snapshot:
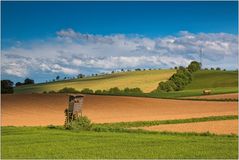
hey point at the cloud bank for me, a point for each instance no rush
(71, 52)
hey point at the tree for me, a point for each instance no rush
(137, 69)
(218, 68)
(57, 77)
(194, 66)
(181, 68)
(18, 84)
(28, 81)
(6, 86)
(80, 76)
(212, 68)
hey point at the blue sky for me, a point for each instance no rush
(82, 37)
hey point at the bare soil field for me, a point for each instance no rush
(218, 96)
(217, 127)
(46, 109)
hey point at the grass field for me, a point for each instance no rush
(146, 80)
(213, 79)
(218, 82)
(42, 142)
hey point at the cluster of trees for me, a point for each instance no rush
(217, 69)
(111, 91)
(180, 79)
(26, 81)
(6, 86)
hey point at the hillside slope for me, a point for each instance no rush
(218, 82)
(146, 80)
(213, 79)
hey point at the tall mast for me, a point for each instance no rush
(201, 52)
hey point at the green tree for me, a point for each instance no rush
(194, 66)
(6, 86)
(28, 81)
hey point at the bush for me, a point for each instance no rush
(44, 92)
(52, 91)
(179, 82)
(98, 91)
(165, 86)
(68, 90)
(114, 90)
(132, 90)
(87, 91)
(80, 123)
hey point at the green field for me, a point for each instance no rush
(42, 142)
(217, 81)
(146, 80)
(213, 79)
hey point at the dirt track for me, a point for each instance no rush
(217, 96)
(43, 109)
(217, 127)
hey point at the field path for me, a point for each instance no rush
(45, 109)
(217, 127)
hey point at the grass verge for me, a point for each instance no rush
(159, 122)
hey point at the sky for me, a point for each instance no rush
(41, 40)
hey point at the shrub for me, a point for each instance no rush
(114, 90)
(52, 91)
(173, 85)
(165, 86)
(132, 90)
(98, 91)
(178, 81)
(68, 90)
(87, 91)
(80, 123)
(44, 92)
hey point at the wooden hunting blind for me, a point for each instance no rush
(74, 107)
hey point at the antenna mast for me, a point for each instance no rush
(201, 56)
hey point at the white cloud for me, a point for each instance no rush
(71, 52)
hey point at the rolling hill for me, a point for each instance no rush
(213, 79)
(217, 81)
(146, 80)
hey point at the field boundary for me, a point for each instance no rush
(161, 122)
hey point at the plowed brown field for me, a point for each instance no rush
(45, 109)
(217, 127)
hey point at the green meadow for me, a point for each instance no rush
(57, 143)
